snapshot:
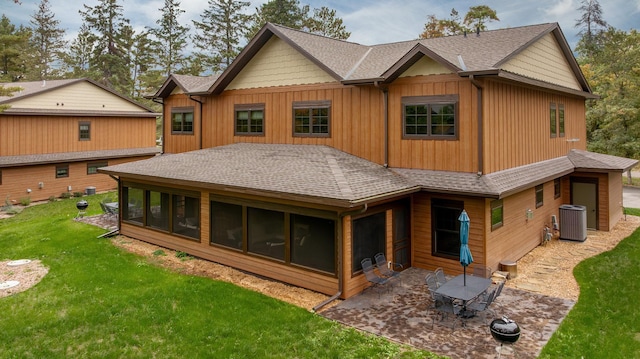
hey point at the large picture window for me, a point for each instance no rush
(369, 235)
(265, 233)
(433, 117)
(134, 197)
(311, 118)
(182, 120)
(445, 227)
(186, 216)
(249, 119)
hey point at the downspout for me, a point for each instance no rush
(340, 259)
(385, 103)
(161, 103)
(480, 126)
(200, 102)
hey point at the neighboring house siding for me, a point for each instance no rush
(516, 126)
(544, 61)
(16, 180)
(26, 135)
(78, 96)
(615, 210)
(278, 64)
(426, 66)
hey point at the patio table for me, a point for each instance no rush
(455, 288)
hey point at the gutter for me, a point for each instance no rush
(480, 125)
(200, 137)
(340, 257)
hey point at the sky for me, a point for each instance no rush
(370, 22)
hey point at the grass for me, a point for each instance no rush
(98, 301)
(605, 322)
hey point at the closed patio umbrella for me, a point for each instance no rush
(465, 254)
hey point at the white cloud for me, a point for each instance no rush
(561, 9)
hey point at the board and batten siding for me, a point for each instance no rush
(179, 142)
(356, 123)
(79, 96)
(517, 125)
(27, 135)
(457, 155)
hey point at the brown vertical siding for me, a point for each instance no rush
(516, 123)
(177, 143)
(27, 135)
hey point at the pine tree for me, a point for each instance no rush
(76, 59)
(590, 23)
(221, 29)
(171, 38)
(108, 60)
(287, 13)
(47, 41)
(324, 22)
(13, 44)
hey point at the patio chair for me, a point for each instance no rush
(440, 277)
(444, 308)
(482, 271)
(482, 303)
(383, 266)
(432, 285)
(376, 281)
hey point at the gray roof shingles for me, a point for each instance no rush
(321, 174)
(45, 158)
(309, 173)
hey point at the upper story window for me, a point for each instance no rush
(182, 120)
(553, 120)
(311, 118)
(249, 119)
(84, 131)
(561, 120)
(432, 117)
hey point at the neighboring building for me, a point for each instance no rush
(309, 154)
(56, 134)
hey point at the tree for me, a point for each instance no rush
(613, 121)
(108, 61)
(221, 29)
(13, 44)
(47, 40)
(287, 13)
(8, 92)
(324, 22)
(589, 22)
(171, 38)
(477, 16)
(475, 19)
(76, 59)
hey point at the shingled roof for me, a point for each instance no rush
(46, 158)
(187, 83)
(504, 183)
(352, 63)
(307, 173)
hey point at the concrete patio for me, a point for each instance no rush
(404, 314)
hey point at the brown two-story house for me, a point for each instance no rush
(309, 154)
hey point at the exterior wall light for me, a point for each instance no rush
(529, 214)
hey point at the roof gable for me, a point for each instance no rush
(543, 60)
(278, 64)
(425, 66)
(77, 95)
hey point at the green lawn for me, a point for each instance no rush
(98, 301)
(605, 322)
